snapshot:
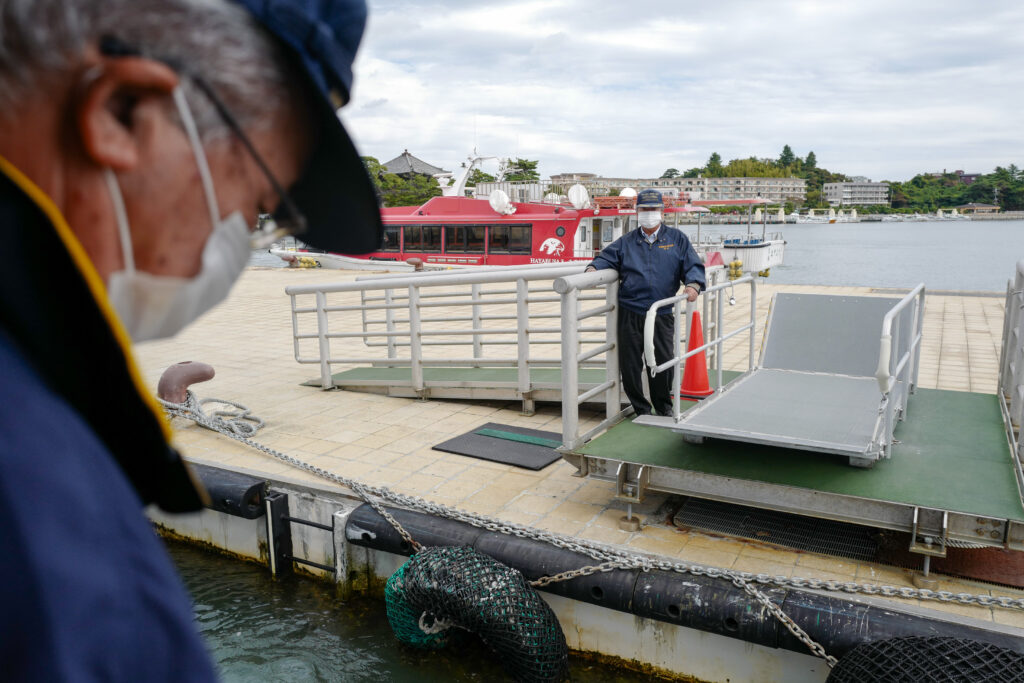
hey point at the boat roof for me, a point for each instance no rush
(466, 209)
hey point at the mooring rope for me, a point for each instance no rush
(609, 558)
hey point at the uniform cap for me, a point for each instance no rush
(334, 193)
(649, 199)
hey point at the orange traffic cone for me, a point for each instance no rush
(695, 372)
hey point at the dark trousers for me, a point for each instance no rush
(631, 362)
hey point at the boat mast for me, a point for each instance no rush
(458, 185)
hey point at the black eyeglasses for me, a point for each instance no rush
(287, 219)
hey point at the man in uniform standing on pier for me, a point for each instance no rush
(652, 262)
(139, 139)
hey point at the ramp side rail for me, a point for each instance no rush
(571, 288)
(715, 342)
(1011, 371)
(898, 362)
(405, 314)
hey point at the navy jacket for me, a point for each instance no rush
(650, 272)
(87, 589)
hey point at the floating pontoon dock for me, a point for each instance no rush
(935, 469)
(943, 480)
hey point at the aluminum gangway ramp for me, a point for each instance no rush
(833, 377)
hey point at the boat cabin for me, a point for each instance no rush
(464, 231)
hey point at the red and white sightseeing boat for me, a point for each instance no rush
(455, 231)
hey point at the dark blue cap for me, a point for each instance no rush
(649, 199)
(334, 192)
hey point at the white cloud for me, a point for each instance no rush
(873, 88)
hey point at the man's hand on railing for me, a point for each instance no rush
(691, 293)
(590, 269)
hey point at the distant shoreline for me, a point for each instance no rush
(729, 219)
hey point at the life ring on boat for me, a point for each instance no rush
(442, 587)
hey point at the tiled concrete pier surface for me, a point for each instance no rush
(387, 441)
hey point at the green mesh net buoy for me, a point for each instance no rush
(459, 587)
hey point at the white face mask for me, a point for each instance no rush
(159, 306)
(649, 219)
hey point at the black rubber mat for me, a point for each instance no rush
(530, 449)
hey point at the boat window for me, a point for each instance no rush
(391, 238)
(432, 238)
(510, 239)
(464, 239)
(412, 239)
(422, 238)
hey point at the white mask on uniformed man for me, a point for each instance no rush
(649, 219)
(159, 306)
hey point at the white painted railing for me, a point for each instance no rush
(404, 317)
(1011, 371)
(898, 361)
(573, 289)
(713, 299)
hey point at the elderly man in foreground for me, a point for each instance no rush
(139, 139)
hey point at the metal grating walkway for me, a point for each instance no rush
(793, 531)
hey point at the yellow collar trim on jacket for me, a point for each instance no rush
(92, 280)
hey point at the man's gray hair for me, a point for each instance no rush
(217, 39)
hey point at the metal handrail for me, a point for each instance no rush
(894, 408)
(569, 287)
(421, 292)
(1011, 373)
(886, 375)
(715, 342)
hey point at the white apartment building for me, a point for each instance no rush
(776, 190)
(857, 193)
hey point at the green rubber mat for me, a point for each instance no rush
(952, 454)
(521, 438)
(492, 376)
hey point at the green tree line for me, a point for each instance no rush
(397, 190)
(924, 192)
(928, 192)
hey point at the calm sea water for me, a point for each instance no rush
(259, 629)
(962, 255)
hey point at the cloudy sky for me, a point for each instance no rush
(882, 88)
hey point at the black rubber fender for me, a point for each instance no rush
(609, 589)
(708, 604)
(238, 495)
(367, 528)
(929, 659)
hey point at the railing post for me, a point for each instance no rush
(326, 381)
(389, 317)
(1004, 351)
(677, 375)
(753, 317)
(720, 348)
(415, 340)
(570, 369)
(613, 397)
(478, 347)
(523, 344)
(295, 327)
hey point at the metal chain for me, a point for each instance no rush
(610, 558)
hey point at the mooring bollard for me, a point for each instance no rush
(174, 383)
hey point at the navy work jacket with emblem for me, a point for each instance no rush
(649, 272)
(87, 589)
